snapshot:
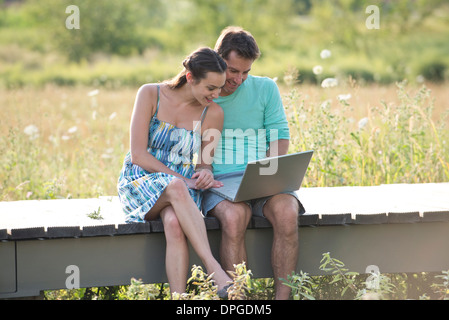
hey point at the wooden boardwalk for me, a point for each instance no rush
(377, 199)
(368, 204)
(398, 228)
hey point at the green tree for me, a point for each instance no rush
(202, 20)
(108, 26)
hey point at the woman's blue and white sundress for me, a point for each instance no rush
(175, 147)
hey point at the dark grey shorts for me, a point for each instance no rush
(211, 200)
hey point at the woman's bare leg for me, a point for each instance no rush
(177, 252)
(192, 223)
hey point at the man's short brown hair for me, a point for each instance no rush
(238, 40)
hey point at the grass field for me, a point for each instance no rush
(60, 142)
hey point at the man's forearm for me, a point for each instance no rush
(203, 166)
(278, 147)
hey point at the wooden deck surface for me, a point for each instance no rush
(374, 204)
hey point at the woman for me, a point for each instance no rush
(158, 179)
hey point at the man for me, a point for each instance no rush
(253, 111)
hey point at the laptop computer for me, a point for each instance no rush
(266, 177)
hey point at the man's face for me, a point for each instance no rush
(237, 72)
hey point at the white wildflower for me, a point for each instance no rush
(329, 83)
(93, 98)
(344, 97)
(32, 131)
(288, 79)
(326, 104)
(317, 70)
(53, 139)
(362, 123)
(65, 138)
(72, 129)
(325, 54)
(108, 153)
(113, 115)
(93, 93)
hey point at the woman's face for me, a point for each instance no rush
(209, 88)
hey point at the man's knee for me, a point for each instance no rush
(233, 217)
(282, 211)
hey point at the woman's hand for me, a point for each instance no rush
(205, 179)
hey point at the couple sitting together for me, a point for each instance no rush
(172, 121)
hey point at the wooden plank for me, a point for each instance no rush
(60, 213)
(157, 226)
(28, 233)
(375, 218)
(376, 199)
(212, 223)
(4, 234)
(335, 219)
(403, 217)
(259, 223)
(435, 216)
(64, 232)
(308, 219)
(327, 203)
(133, 228)
(101, 230)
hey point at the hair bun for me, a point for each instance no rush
(199, 63)
(186, 62)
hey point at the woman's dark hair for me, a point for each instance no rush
(199, 63)
(238, 40)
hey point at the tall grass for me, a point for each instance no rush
(395, 142)
(62, 142)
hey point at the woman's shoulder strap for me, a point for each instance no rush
(157, 106)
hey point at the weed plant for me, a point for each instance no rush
(72, 143)
(395, 143)
(338, 284)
